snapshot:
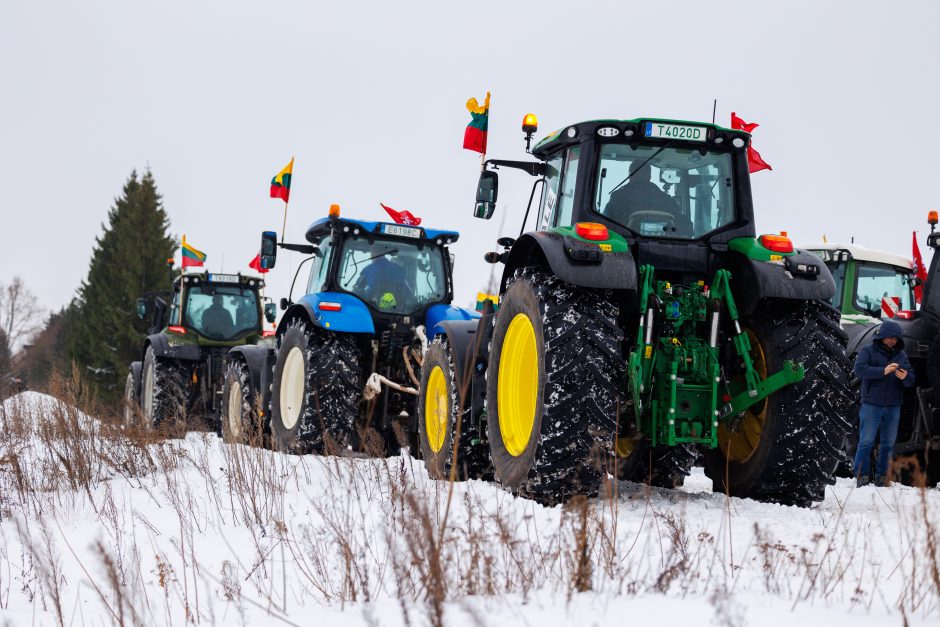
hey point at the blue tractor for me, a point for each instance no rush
(344, 373)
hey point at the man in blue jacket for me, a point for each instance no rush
(884, 371)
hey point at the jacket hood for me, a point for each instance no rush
(890, 328)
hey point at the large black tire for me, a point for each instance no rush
(240, 424)
(661, 466)
(131, 407)
(571, 379)
(846, 467)
(791, 456)
(318, 384)
(439, 408)
(164, 391)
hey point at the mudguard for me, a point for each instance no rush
(753, 280)
(163, 348)
(353, 315)
(461, 335)
(260, 361)
(437, 314)
(615, 271)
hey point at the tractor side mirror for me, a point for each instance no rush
(487, 190)
(141, 308)
(268, 249)
(270, 312)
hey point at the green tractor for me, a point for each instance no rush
(183, 360)
(643, 321)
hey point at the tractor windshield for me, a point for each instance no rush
(393, 276)
(658, 191)
(221, 312)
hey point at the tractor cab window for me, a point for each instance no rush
(880, 281)
(174, 317)
(221, 312)
(319, 267)
(675, 193)
(393, 276)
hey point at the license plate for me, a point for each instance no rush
(223, 278)
(401, 231)
(676, 131)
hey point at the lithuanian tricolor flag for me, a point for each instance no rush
(280, 184)
(474, 138)
(191, 256)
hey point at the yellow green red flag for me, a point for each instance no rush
(192, 256)
(280, 184)
(474, 138)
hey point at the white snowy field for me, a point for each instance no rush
(97, 528)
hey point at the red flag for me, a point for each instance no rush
(255, 264)
(402, 217)
(755, 163)
(920, 272)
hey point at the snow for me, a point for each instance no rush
(196, 530)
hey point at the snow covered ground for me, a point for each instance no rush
(97, 528)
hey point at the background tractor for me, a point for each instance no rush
(643, 318)
(348, 350)
(866, 278)
(183, 360)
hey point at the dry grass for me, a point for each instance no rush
(194, 531)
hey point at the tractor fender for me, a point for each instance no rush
(859, 335)
(438, 314)
(163, 348)
(753, 280)
(615, 271)
(353, 316)
(260, 361)
(461, 335)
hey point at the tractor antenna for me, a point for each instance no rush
(714, 109)
(853, 240)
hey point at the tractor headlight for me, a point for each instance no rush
(737, 142)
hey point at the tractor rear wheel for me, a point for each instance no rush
(439, 408)
(553, 387)
(240, 424)
(164, 390)
(787, 447)
(316, 392)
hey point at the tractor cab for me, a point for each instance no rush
(869, 283)
(217, 309)
(655, 184)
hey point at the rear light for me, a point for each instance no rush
(591, 231)
(180, 330)
(777, 243)
(905, 314)
(330, 306)
(270, 333)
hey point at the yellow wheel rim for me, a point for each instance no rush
(435, 409)
(739, 446)
(625, 447)
(518, 382)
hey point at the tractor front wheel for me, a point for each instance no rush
(440, 410)
(553, 387)
(240, 424)
(787, 447)
(316, 392)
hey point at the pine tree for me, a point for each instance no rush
(6, 357)
(129, 259)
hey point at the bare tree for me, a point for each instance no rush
(20, 313)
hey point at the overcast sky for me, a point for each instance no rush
(215, 97)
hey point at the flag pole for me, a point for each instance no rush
(287, 200)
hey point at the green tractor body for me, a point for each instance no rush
(183, 359)
(643, 320)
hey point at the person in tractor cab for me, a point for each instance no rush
(217, 319)
(884, 371)
(641, 194)
(384, 283)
